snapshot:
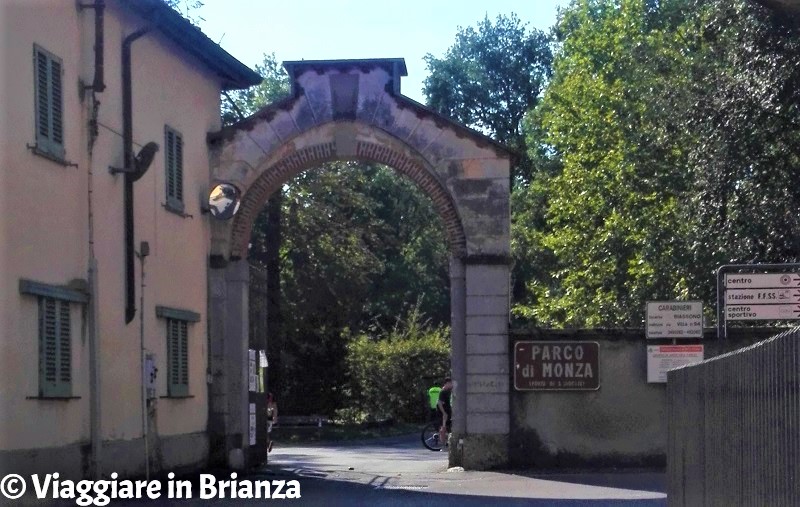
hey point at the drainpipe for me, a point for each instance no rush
(127, 136)
(144, 251)
(97, 86)
(95, 458)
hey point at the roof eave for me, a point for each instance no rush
(232, 73)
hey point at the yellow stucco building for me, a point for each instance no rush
(81, 305)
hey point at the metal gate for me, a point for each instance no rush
(257, 345)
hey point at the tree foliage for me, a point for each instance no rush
(745, 119)
(490, 78)
(390, 372)
(274, 87)
(613, 207)
(675, 127)
(360, 247)
(660, 141)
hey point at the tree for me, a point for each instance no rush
(359, 247)
(187, 8)
(490, 78)
(746, 120)
(613, 218)
(675, 124)
(242, 103)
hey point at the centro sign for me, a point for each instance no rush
(568, 366)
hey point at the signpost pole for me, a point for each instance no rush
(721, 328)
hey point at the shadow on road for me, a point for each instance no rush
(328, 492)
(399, 471)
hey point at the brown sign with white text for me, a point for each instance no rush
(560, 366)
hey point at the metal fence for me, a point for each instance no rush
(734, 427)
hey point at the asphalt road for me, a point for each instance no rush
(399, 471)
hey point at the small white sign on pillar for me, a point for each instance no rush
(252, 373)
(252, 424)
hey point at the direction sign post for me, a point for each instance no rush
(757, 296)
(762, 296)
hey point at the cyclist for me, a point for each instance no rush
(445, 409)
(433, 401)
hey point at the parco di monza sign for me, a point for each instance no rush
(556, 366)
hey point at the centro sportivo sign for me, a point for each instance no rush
(556, 366)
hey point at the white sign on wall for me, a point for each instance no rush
(252, 374)
(662, 358)
(674, 319)
(252, 424)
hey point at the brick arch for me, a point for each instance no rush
(297, 161)
(353, 110)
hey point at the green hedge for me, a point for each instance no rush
(390, 374)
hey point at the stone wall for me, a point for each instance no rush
(622, 424)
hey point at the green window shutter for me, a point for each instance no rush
(55, 348)
(178, 357)
(64, 347)
(179, 168)
(42, 66)
(169, 142)
(174, 168)
(184, 360)
(48, 77)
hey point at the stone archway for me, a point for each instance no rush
(353, 109)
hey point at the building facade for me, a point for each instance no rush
(104, 241)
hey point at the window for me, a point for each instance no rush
(178, 321)
(174, 169)
(55, 339)
(49, 103)
(55, 348)
(177, 357)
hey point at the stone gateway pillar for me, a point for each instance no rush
(487, 374)
(353, 110)
(228, 364)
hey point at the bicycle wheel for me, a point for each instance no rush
(430, 437)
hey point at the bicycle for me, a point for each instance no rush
(430, 436)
